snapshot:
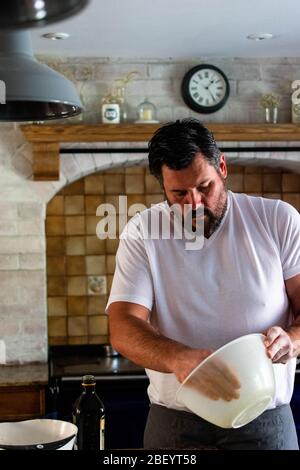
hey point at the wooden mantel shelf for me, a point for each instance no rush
(47, 138)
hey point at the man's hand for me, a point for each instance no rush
(279, 345)
(214, 379)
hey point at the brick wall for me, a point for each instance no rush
(160, 81)
(23, 296)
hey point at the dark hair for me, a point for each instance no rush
(176, 144)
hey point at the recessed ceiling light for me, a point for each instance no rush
(260, 36)
(56, 36)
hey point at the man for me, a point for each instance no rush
(170, 306)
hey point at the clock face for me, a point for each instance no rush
(205, 89)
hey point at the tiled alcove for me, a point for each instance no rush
(76, 257)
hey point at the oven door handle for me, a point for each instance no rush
(116, 377)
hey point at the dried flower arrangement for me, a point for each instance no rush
(117, 90)
(270, 100)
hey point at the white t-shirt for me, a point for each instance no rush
(231, 287)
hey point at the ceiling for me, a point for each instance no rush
(176, 29)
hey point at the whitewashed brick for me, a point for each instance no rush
(151, 88)
(165, 114)
(8, 210)
(91, 91)
(166, 71)
(240, 71)
(115, 157)
(9, 292)
(292, 144)
(180, 112)
(112, 71)
(102, 161)
(32, 261)
(250, 60)
(36, 329)
(8, 227)
(290, 60)
(235, 109)
(85, 72)
(2, 352)
(32, 244)
(10, 327)
(20, 311)
(42, 191)
(31, 227)
(22, 165)
(35, 279)
(233, 87)
(283, 72)
(8, 262)
(245, 88)
(118, 145)
(137, 159)
(121, 158)
(227, 144)
(88, 145)
(32, 287)
(21, 349)
(9, 245)
(31, 210)
(106, 161)
(70, 167)
(85, 162)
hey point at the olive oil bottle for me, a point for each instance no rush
(89, 417)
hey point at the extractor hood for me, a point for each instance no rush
(29, 13)
(34, 92)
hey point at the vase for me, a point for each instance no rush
(271, 115)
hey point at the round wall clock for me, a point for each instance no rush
(205, 88)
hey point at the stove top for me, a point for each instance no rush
(98, 360)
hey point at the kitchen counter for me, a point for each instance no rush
(22, 391)
(23, 375)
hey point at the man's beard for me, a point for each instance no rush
(212, 220)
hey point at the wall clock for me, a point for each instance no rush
(205, 88)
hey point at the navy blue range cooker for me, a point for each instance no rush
(121, 385)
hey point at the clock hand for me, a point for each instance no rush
(210, 83)
(212, 95)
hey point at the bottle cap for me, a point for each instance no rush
(88, 380)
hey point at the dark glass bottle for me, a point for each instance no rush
(89, 417)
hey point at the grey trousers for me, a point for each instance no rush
(172, 429)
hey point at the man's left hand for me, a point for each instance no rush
(279, 345)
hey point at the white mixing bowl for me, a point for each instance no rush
(247, 359)
(38, 434)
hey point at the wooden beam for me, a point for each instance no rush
(143, 132)
(47, 138)
(45, 161)
(255, 132)
(90, 133)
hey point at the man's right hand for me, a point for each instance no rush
(214, 379)
(152, 350)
